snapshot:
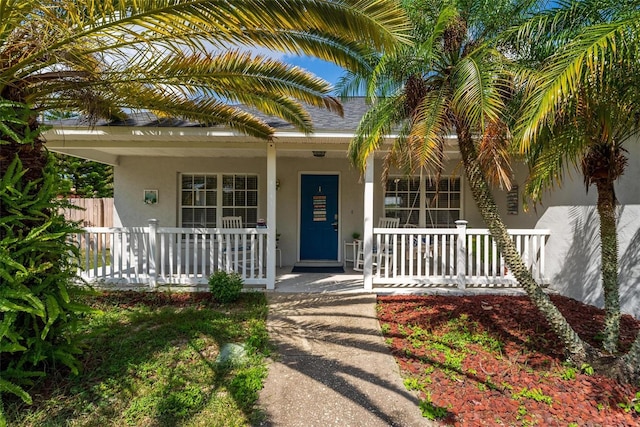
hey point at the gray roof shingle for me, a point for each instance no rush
(322, 119)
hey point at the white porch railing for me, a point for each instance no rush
(168, 255)
(403, 257)
(459, 257)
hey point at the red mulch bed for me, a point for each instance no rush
(487, 387)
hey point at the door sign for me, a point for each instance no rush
(319, 207)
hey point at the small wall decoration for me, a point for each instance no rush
(319, 208)
(512, 201)
(150, 197)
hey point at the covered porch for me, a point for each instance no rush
(397, 258)
(304, 188)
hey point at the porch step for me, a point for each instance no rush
(319, 263)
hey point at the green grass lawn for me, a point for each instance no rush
(93, 261)
(150, 360)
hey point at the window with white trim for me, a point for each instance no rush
(206, 198)
(427, 205)
(402, 200)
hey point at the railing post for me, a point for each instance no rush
(541, 264)
(461, 255)
(271, 217)
(153, 252)
(367, 237)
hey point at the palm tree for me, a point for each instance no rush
(582, 107)
(454, 79)
(592, 138)
(177, 57)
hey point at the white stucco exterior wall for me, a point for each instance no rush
(573, 258)
(573, 249)
(135, 174)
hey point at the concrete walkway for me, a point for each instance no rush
(332, 367)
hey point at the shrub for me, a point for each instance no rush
(225, 287)
(38, 300)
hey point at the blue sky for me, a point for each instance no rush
(328, 71)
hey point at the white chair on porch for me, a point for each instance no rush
(385, 251)
(231, 222)
(234, 246)
(387, 222)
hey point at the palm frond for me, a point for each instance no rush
(557, 23)
(377, 123)
(207, 111)
(343, 51)
(551, 161)
(597, 48)
(478, 97)
(95, 104)
(351, 84)
(179, 50)
(13, 14)
(430, 123)
(399, 155)
(494, 156)
(231, 73)
(176, 24)
(265, 84)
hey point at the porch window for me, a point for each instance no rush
(423, 203)
(402, 200)
(206, 198)
(240, 197)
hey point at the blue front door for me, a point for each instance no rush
(319, 217)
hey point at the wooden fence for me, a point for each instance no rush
(93, 212)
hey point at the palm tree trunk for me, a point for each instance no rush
(609, 267)
(631, 361)
(578, 350)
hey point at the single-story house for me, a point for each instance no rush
(300, 201)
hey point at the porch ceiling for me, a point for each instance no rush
(108, 144)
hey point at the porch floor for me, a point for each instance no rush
(349, 282)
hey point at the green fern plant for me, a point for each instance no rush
(38, 297)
